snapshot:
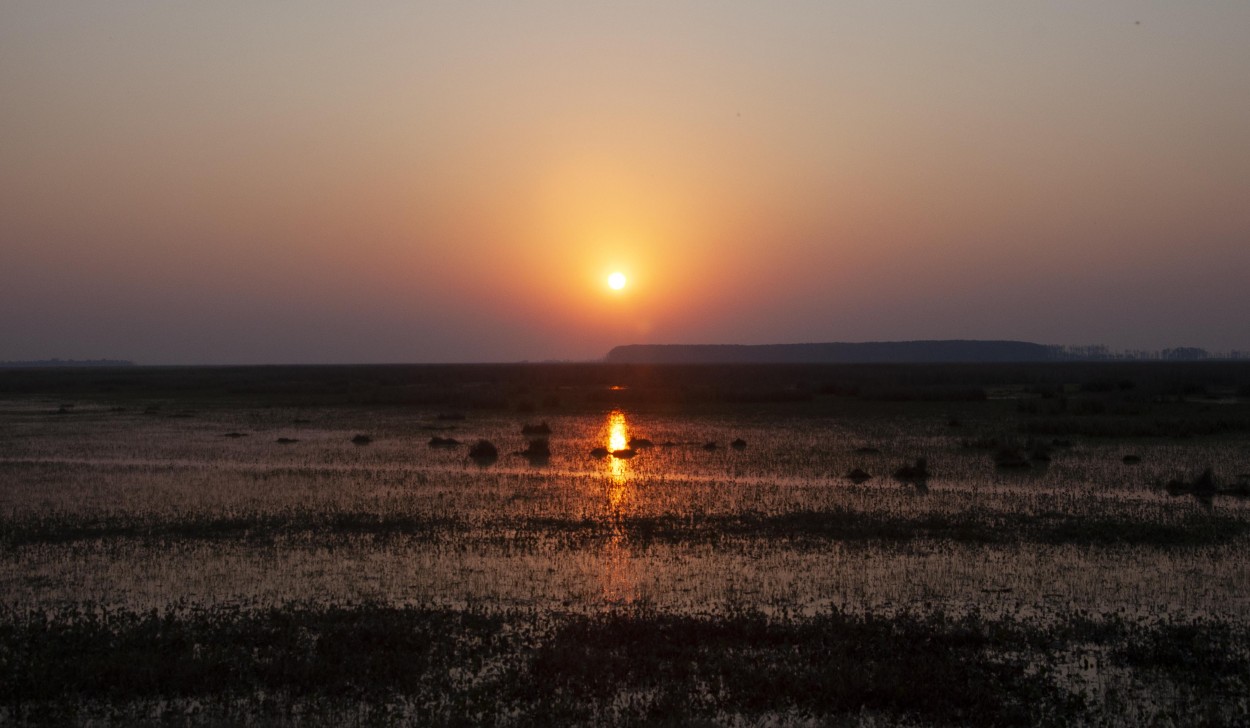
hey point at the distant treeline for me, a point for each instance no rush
(873, 352)
(1179, 353)
(40, 363)
(894, 352)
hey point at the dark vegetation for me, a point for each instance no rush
(1206, 485)
(858, 475)
(874, 352)
(378, 665)
(917, 471)
(484, 451)
(537, 451)
(813, 527)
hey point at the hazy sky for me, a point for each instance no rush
(243, 182)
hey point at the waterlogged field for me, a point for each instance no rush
(193, 560)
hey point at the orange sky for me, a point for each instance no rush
(233, 183)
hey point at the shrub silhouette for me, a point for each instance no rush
(1010, 457)
(484, 451)
(539, 450)
(918, 471)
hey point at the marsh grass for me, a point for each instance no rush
(434, 666)
(156, 572)
(973, 526)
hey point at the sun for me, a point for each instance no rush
(616, 281)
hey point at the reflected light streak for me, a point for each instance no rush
(618, 434)
(619, 468)
(620, 577)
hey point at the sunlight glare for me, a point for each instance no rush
(616, 281)
(618, 468)
(618, 436)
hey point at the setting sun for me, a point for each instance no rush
(616, 281)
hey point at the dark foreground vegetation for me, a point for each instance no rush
(377, 665)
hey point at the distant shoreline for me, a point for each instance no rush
(924, 351)
(943, 351)
(65, 363)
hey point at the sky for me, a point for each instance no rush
(326, 182)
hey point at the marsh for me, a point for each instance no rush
(155, 571)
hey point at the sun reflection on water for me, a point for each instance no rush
(618, 432)
(619, 576)
(619, 468)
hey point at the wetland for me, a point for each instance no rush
(927, 545)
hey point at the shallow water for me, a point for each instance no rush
(577, 533)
